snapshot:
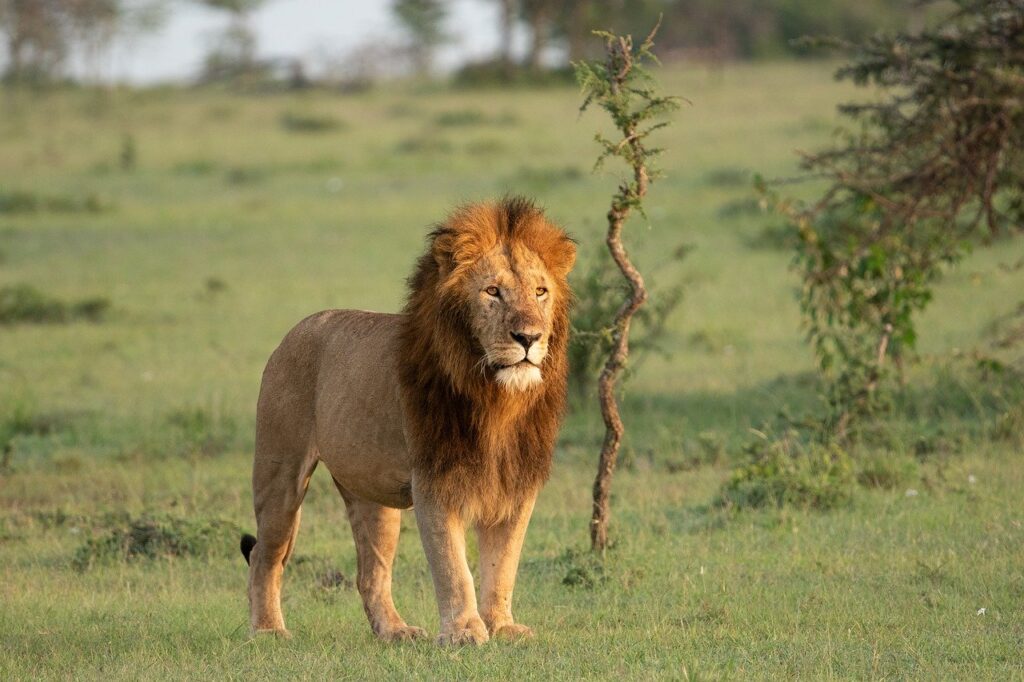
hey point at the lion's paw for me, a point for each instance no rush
(474, 633)
(405, 633)
(513, 632)
(280, 633)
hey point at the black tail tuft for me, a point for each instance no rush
(248, 542)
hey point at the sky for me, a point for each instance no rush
(293, 28)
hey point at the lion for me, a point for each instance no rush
(450, 408)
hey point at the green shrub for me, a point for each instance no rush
(296, 122)
(785, 472)
(728, 176)
(1009, 426)
(496, 73)
(25, 303)
(887, 470)
(424, 144)
(538, 179)
(194, 430)
(599, 290)
(240, 175)
(157, 537)
(460, 117)
(583, 570)
(14, 203)
(195, 167)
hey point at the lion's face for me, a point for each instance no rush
(511, 295)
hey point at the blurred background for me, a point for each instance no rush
(347, 44)
(182, 181)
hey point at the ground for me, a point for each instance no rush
(212, 222)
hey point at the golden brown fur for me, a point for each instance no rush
(453, 405)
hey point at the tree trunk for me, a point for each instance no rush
(506, 20)
(613, 367)
(538, 35)
(620, 64)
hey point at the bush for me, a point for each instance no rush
(13, 203)
(25, 303)
(785, 472)
(424, 144)
(295, 122)
(194, 430)
(887, 470)
(496, 73)
(599, 290)
(157, 537)
(1009, 426)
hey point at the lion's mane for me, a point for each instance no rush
(477, 448)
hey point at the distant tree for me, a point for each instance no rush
(541, 16)
(507, 12)
(44, 35)
(423, 21)
(578, 25)
(233, 56)
(37, 44)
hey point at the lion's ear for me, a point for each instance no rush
(443, 250)
(562, 256)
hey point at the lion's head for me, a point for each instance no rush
(494, 282)
(483, 355)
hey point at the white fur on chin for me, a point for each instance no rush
(518, 377)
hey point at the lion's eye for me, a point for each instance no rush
(492, 291)
(541, 291)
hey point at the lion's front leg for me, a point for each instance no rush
(500, 546)
(444, 542)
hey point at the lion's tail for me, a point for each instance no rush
(248, 542)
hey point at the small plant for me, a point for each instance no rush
(460, 118)
(157, 537)
(788, 471)
(425, 143)
(195, 430)
(583, 570)
(129, 156)
(23, 303)
(599, 290)
(1009, 426)
(886, 470)
(296, 122)
(622, 87)
(16, 203)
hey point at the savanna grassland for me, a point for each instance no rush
(207, 223)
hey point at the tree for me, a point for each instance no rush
(37, 44)
(507, 10)
(622, 87)
(42, 35)
(423, 21)
(930, 168)
(233, 57)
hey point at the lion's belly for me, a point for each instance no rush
(367, 459)
(359, 434)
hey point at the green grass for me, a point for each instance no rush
(232, 225)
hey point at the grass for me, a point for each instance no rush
(230, 226)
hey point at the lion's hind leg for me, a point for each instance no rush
(280, 481)
(375, 529)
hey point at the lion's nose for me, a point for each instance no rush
(525, 340)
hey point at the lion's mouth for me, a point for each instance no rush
(525, 362)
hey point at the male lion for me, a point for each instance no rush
(451, 407)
